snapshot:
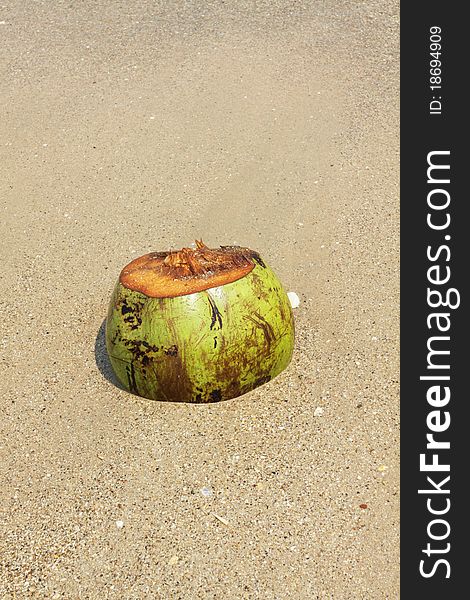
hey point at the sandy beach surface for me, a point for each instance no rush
(128, 127)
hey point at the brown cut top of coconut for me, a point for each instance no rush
(187, 271)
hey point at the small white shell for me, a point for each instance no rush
(293, 299)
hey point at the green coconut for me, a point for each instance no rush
(198, 325)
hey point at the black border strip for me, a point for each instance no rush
(421, 134)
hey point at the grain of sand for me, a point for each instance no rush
(129, 127)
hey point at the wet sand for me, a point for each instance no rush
(131, 127)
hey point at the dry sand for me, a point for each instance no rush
(129, 127)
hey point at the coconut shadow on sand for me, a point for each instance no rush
(102, 359)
